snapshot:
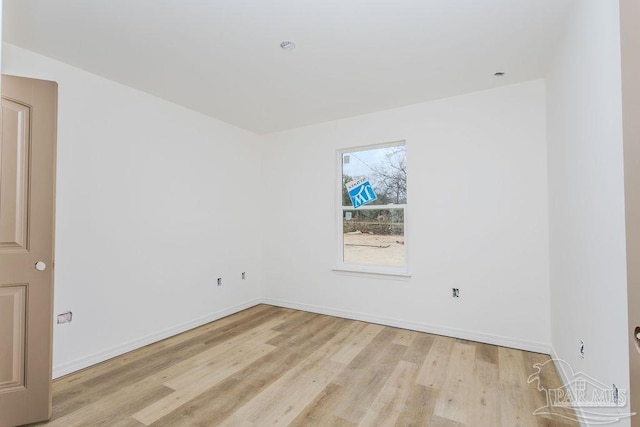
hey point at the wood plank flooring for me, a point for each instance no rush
(275, 366)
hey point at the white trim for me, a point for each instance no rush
(563, 375)
(85, 362)
(566, 380)
(118, 350)
(374, 207)
(354, 149)
(519, 344)
(382, 270)
(363, 270)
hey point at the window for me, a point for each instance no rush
(372, 209)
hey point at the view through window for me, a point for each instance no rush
(374, 201)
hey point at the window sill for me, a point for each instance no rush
(364, 271)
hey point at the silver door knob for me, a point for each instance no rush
(41, 266)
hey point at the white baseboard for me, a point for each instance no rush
(564, 377)
(85, 362)
(519, 344)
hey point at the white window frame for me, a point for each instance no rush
(364, 269)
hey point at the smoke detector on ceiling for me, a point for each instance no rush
(287, 45)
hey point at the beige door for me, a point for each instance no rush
(630, 54)
(27, 158)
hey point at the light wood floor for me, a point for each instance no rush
(269, 365)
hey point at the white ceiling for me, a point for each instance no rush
(222, 57)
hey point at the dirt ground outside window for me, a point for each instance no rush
(374, 249)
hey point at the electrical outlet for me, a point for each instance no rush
(65, 317)
(244, 275)
(581, 350)
(455, 292)
(219, 281)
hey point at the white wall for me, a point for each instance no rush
(154, 202)
(477, 212)
(586, 195)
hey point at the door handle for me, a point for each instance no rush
(40, 266)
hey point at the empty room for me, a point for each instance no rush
(336, 213)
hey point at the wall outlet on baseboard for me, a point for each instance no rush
(455, 292)
(244, 275)
(219, 281)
